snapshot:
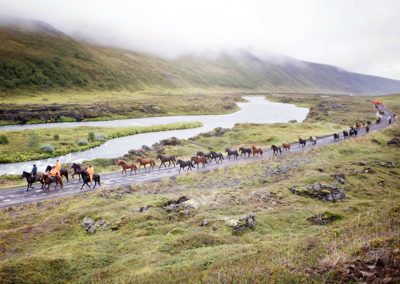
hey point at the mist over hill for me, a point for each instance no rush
(34, 56)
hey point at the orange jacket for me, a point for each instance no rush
(90, 171)
(57, 166)
(53, 172)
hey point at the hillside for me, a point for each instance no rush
(37, 57)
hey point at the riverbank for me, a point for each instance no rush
(72, 106)
(31, 144)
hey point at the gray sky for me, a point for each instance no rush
(359, 35)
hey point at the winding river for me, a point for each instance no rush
(255, 110)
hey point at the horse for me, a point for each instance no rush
(286, 146)
(345, 133)
(165, 159)
(256, 150)
(143, 162)
(378, 120)
(367, 129)
(184, 164)
(302, 142)
(199, 160)
(31, 179)
(207, 155)
(86, 179)
(369, 122)
(77, 170)
(63, 172)
(336, 136)
(389, 120)
(47, 180)
(244, 151)
(358, 125)
(233, 153)
(215, 155)
(126, 165)
(276, 149)
(313, 140)
(353, 132)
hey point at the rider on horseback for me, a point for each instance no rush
(34, 171)
(57, 166)
(53, 173)
(90, 172)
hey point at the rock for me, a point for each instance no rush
(146, 148)
(248, 222)
(204, 223)
(323, 218)
(320, 170)
(89, 225)
(368, 170)
(339, 178)
(363, 163)
(173, 141)
(330, 192)
(214, 228)
(382, 183)
(117, 224)
(394, 141)
(219, 131)
(142, 209)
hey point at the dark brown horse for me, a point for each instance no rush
(77, 170)
(256, 150)
(31, 179)
(218, 157)
(199, 160)
(358, 125)
(233, 153)
(286, 146)
(207, 155)
(184, 164)
(165, 159)
(143, 162)
(126, 165)
(244, 151)
(336, 136)
(302, 142)
(276, 149)
(47, 180)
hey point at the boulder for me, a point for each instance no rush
(326, 192)
(204, 223)
(248, 222)
(323, 218)
(89, 225)
(339, 178)
(394, 141)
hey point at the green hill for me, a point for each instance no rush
(36, 57)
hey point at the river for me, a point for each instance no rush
(255, 110)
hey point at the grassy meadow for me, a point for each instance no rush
(149, 241)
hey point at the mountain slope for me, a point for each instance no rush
(38, 57)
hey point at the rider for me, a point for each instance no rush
(90, 172)
(34, 171)
(53, 172)
(58, 167)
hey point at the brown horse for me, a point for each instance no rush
(358, 125)
(199, 160)
(47, 180)
(256, 150)
(143, 162)
(126, 165)
(286, 146)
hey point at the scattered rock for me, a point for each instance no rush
(204, 223)
(368, 170)
(88, 225)
(394, 141)
(117, 224)
(248, 222)
(219, 131)
(142, 209)
(320, 170)
(330, 192)
(381, 183)
(363, 163)
(323, 218)
(339, 178)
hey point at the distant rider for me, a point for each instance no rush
(90, 172)
(53, 173)
(58, 167)
(34, 171)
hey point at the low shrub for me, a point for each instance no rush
(101, 137)
(56, 137)
(82, 142)
(91, 137)
(47, 148)
(3, 139)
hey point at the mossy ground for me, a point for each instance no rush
(44, 242)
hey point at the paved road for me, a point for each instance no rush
(18, 196)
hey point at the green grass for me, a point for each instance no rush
(24, 145)
(45, 242)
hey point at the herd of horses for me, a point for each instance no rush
(200, 159)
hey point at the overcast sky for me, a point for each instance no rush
(358, 35)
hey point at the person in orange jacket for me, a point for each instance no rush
(58, 167)
(53, 171)
(90, 172)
